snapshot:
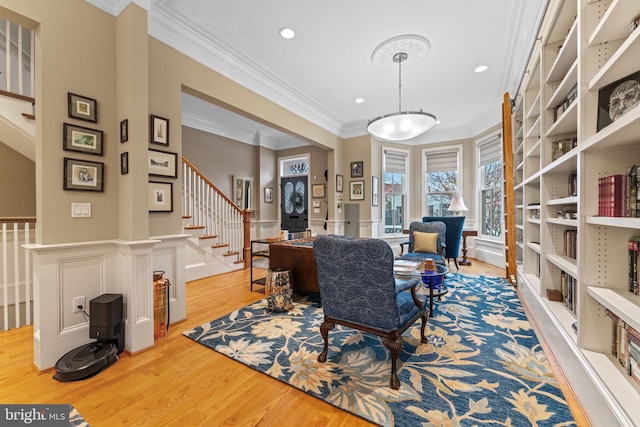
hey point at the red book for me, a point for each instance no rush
(614, 195)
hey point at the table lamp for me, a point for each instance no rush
(457, 205)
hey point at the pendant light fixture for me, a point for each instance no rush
(400, 125)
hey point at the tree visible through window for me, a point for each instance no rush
(491, 199)
(394, 190)
(441, 187)
(489, 151)
(442, 180)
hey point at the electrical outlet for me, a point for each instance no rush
(78, 304)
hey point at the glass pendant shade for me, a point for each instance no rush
(401, 126)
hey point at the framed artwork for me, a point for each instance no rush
(357, 170)
(83, 108)
(268, 195)
(124, 163)
(163, 163)
(159, 130)
(82, 175)
(124, 130)
(317, 190)
(339, 183)
(356, 190)
(160, 196)
(81, 139)
(617, 98)
(374, 191)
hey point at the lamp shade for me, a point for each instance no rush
(457, 204)
(401, 126)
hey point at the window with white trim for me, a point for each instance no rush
(442, 180)
(395, 165)
(490, 185)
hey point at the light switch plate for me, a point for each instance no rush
(80, 210)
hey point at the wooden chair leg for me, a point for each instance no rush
(394, 346)
(423, 338)
(325, 327)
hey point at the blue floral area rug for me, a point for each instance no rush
(483, 364)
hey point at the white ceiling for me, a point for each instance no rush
(321, 72)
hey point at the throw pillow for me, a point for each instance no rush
(425, 242)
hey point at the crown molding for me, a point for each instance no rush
(115, 7)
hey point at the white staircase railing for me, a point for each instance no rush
(16, 284)
(208, 207)
(17, 64)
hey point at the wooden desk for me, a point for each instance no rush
(465, 234)
(297, 257)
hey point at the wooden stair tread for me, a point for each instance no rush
(209, 236)
(230, 253)
(193, 227)
(29, 116)
(17, 96)
(220, 245)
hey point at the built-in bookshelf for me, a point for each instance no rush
(575, 262)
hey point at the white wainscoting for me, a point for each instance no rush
(486, 250)
(62, 272)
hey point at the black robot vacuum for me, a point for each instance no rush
(106, 324)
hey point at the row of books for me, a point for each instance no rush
(634, 255)
(618, 194)
(562, 146)
(573, 184)
(569, 290)
(571, 243)
(625, 346)
(571, 96)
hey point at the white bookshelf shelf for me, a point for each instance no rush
(564, 263)
(621, 302)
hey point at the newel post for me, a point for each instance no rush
(246, 251)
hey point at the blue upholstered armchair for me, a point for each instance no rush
(417, 250)
(453, 236)
(360, 291)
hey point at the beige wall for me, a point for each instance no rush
(219, 158)
(17, 184)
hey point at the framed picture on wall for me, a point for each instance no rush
(82, 108)
(124, 163)
(124, 130)
(163, 163)
(357, 169)
(159, 129)
(83, 175)
(318, 191)
(160, 196)
(339, 183)
(81, 139)
(268, 195)
(356, 190)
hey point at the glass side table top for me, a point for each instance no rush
(433, 280)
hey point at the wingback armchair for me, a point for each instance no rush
(360, 291)
(453, 236)
(419, 248)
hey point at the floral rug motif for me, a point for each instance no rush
(483, 364)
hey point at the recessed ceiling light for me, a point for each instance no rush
(287, 33)
(481, 68)
(359, 100)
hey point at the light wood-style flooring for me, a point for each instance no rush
(179, 382)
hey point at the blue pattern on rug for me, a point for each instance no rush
(483, 364)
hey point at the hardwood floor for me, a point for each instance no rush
(180, 383)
